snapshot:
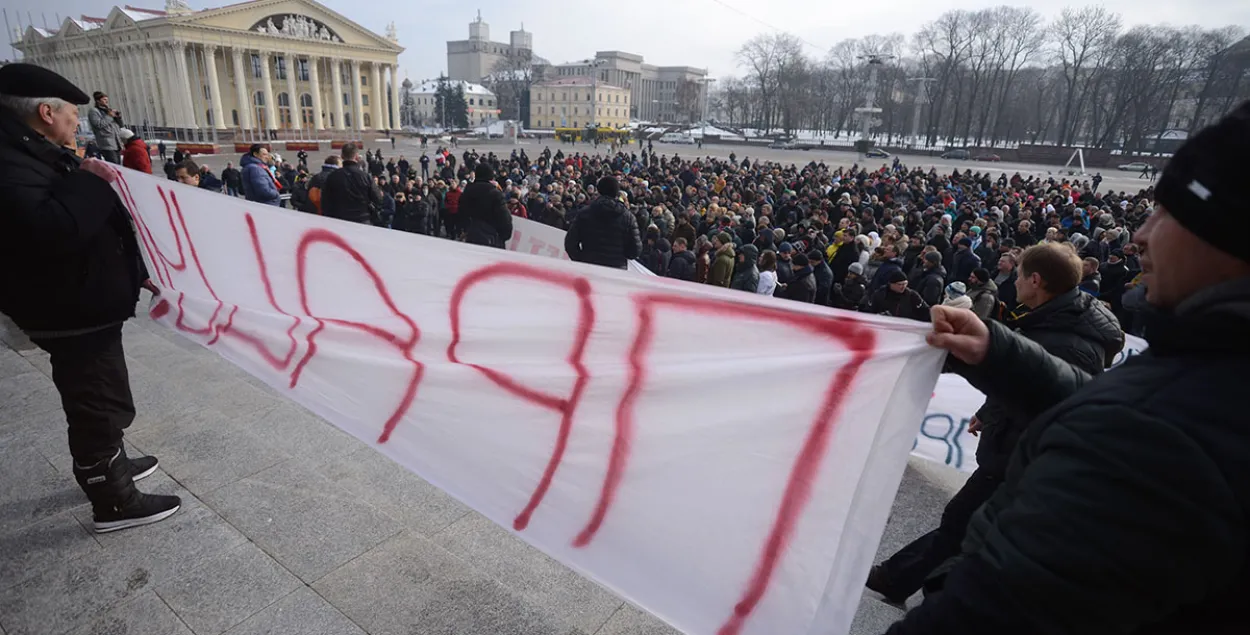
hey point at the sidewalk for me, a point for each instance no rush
(288, 526)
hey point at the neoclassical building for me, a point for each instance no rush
(259, 65)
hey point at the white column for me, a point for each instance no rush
(379, 98)
(177, 87)
(292, 94)
(214, 87)
(169, 92)
(396, 122)
(139, 81)
(125, 99)
(160, 105)
(358, 108)
(195, 87)
(181, 84)
(241, 92)
(314, 80)
(271, 106)
(336, 81)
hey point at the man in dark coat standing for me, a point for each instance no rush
(349, 193)
(604, 233)
(70, 273)
(1126, 505)
(483, 211)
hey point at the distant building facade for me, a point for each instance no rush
(261, 65)
(577, 102)
(657, 93)
(483, 106)
(473, 59)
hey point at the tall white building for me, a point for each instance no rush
(473, 59)
(260, 65)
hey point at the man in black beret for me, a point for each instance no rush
(1126, 506)
(604, 232)
(70, 273)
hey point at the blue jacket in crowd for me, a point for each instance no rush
(258, 184)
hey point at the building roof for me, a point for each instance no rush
(580, 80)
(430, 86)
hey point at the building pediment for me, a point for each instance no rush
(302, 20)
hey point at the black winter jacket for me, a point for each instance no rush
(1126, 507)
(802, 286)
(349, 194)
(69, 259)
(681, 266)
(482, 207)
(603, 233)
(1074, 327)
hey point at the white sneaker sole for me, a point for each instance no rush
(144, 474)
(116, 525)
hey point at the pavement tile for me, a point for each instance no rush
(631, 620)
(46, 433)
(205, 450)
(304, 521)
(302, 434)
(27, 394)
(227, 589)
(385, 484)
(43, 491)
(174, 546)
(146, 613)
(529, 572)
(70, 594)
(303, 612)
(26, 552)
(409, 585)
(874, 616)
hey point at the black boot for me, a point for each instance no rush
(142, 467)
(115, 502)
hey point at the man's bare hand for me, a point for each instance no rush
(151, 286)
(961, 332)
(974, 426)
(100, 168)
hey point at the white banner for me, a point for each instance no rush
(724, 460)
(540, 239)
(944, 435)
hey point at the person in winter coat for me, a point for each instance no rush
(802, 286)
(853, 292)
(890, 263)
(604, 233)
(983, 293)
(317, 185)
(1115, 275)
(483, 208)
(106, 126)
(723, 264)
(233, 180)
(656, 252)
(823, 275)
(768, 273)
(1005, 280)
(681, 265)
(1091, 279)
(703, 259)
(897, 300)
(1066, 323)
(350, 194)
(785, 264)
(930, 280)
(136, 155)
(258, 183)
(746, 275)
(70, 274)
(957, 296)
(846, 255)
(963, 261)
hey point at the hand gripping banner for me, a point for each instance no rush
(723, 460)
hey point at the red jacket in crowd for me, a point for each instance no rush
(136, 157)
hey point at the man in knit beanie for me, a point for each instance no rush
(1126, 507)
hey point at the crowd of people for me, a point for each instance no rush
(1103, 501)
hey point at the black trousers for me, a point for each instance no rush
(90, 373)
(905, 572)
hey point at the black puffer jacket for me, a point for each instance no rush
(1126, 507)
(482, 207)
(603, 233)
(350, 194)
(69, 259)
(1074, 327)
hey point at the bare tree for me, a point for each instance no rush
(1084, 38)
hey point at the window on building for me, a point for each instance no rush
(553, 123)
(347, 119)
(587, 96)
(306, 110)
(281, 64)
(257, 69)
(234, 114)
(258, 110)
(284, 110)
(576, 125)
(564, 110)
(302, 70)
(365, 118)
(347, 101)
(564, 96)
(364, 100)
(364, 81)
(540, 110)
(345, 74)
(471, 102)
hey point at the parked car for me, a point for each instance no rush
(877, 153)
(676, 137)
(782, 144)
(987, 157)
(956, 154)
(1136, 166)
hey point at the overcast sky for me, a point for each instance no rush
(701, 33)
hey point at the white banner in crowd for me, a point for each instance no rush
(944, 435)
(540, 239)
(723, 460)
